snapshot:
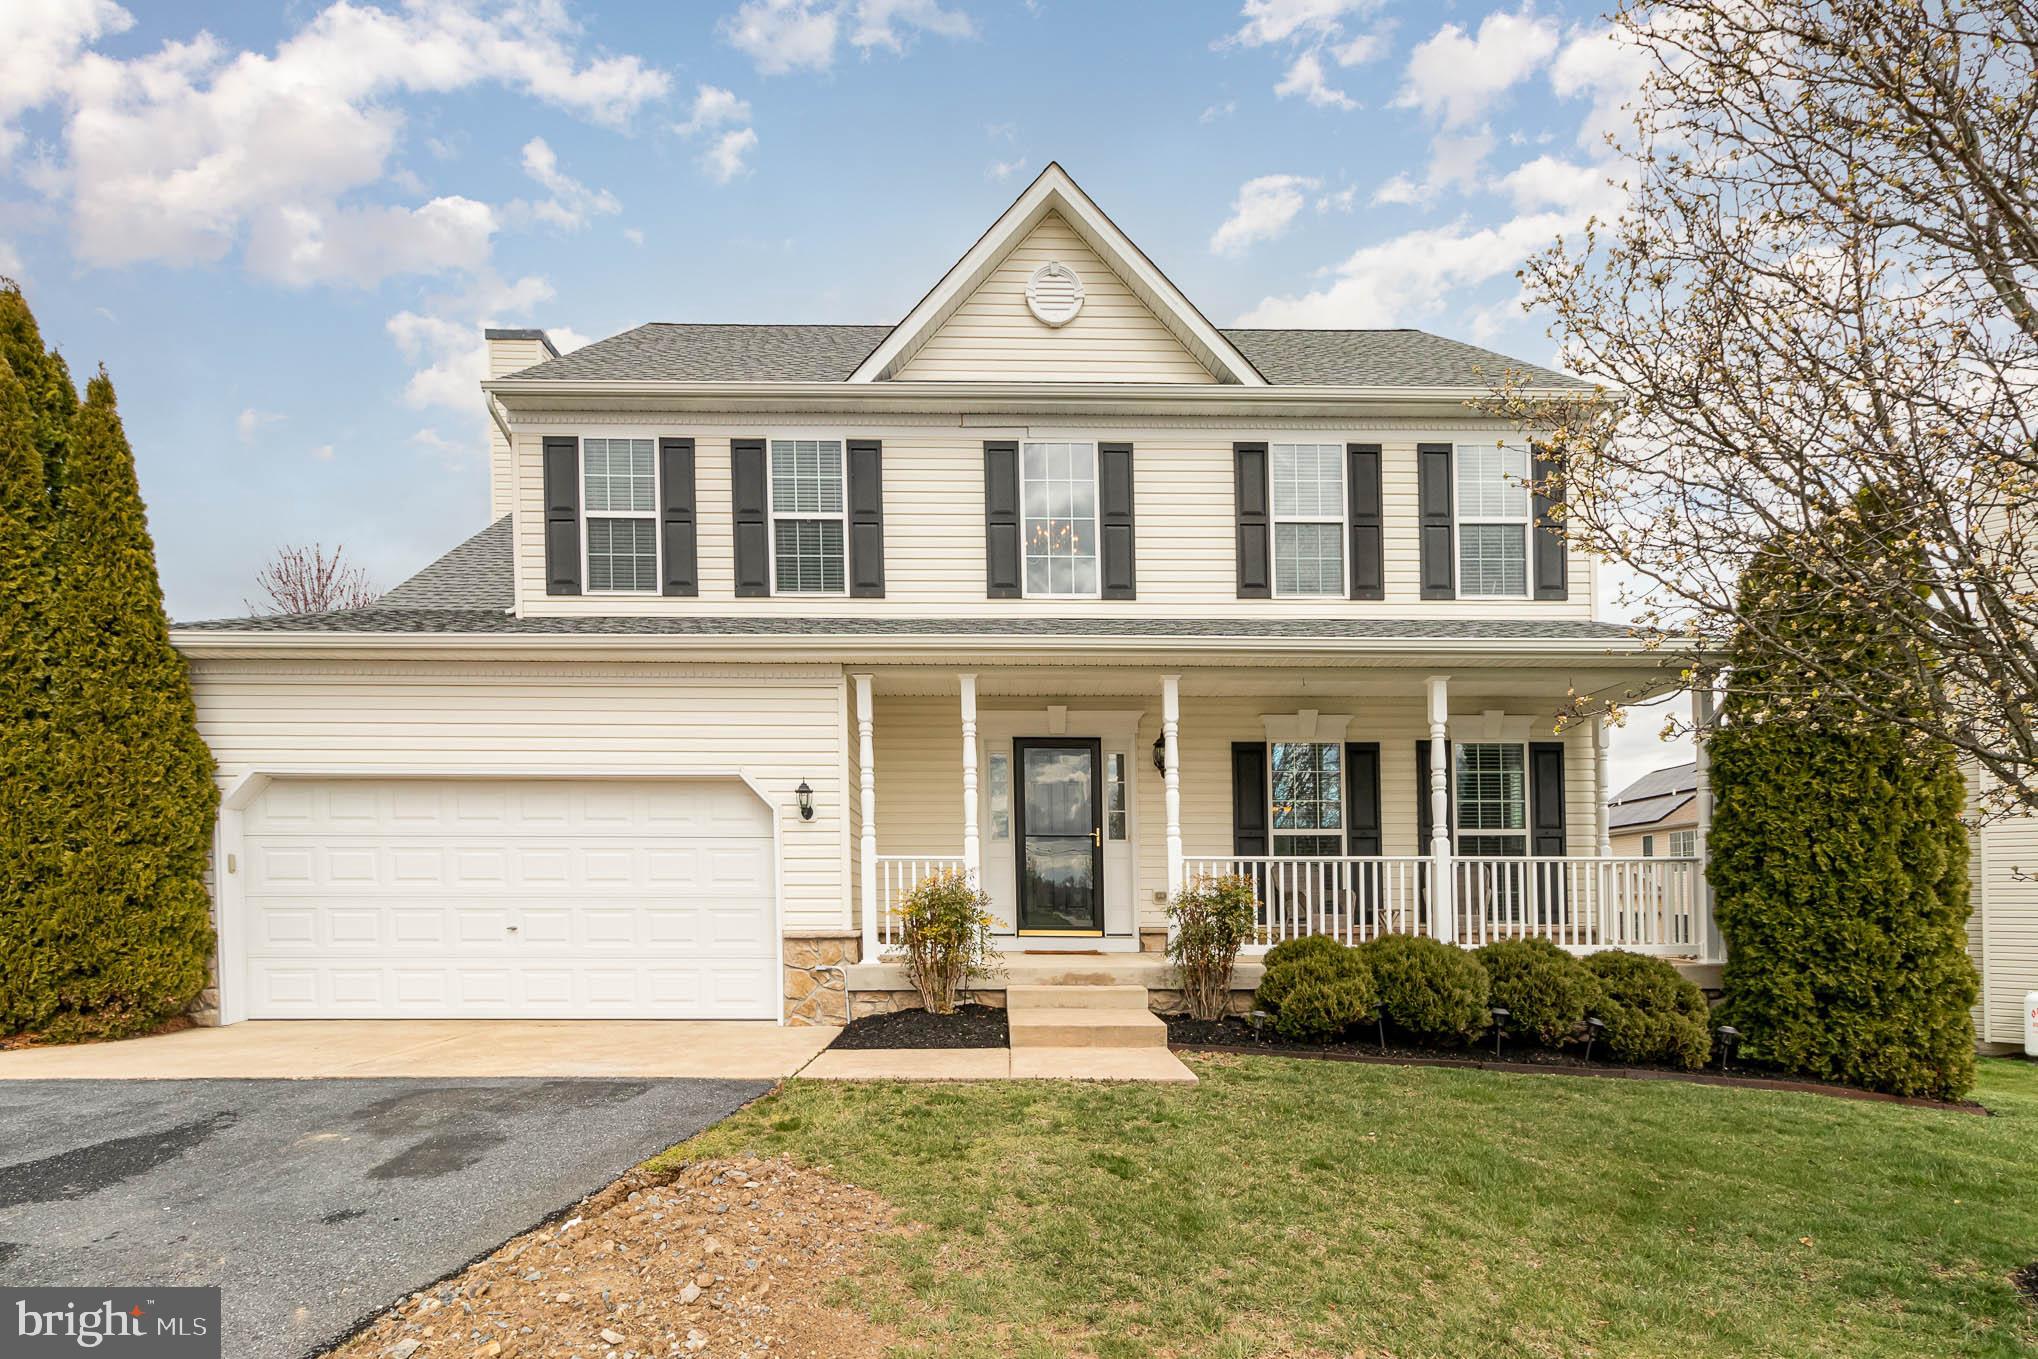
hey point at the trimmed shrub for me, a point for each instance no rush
(1324, 966)
(1652, 1013)
(1545, 991)
(1429, 989)
(1837, 857)
(1324, 1001)
(1213, 919)
(945, 928)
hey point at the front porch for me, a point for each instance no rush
(1360, 803)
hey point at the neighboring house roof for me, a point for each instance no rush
(474, 575)
(1654, 798)
(672, 351)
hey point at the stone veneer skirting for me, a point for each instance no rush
(815, 988)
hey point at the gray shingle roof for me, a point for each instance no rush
(474, 575)
(471, 621)
(674, 352)
(1671, 778)
(1654, 797)
(1648, 811)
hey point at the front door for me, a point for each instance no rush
(1060, 830)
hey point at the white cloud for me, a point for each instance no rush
(1217, 111)
(1278, 21)
(724, 160)
(178, 155)
(1401, 190)
(1002, 170)
(1454, 162)
(572, 203)
(324, 452)
(633, 236)
(1339, 201)
(713, 107)
(1305, 78)
(39, 40)
(782, 36)
(445, 339)
(252, 422)
(1263, 209)
(1412, 276)
(10, 260)
(1607, 66)
(1454, 77)
(1310, 29)
(1548, 182)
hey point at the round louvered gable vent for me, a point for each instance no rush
(1054, 294)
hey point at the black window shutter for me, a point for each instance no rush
(1546, 798)
(1362, 798)
(1114, 519)
(752, 520)
(1433, 510)
(1255, 525)
(1547, 539)
(1424, 826)
(866, 519)
(562, 514)
(1001, 519)
(1369, 566)
(1249, 797)
(679, 530)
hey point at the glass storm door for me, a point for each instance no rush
(1061, 836)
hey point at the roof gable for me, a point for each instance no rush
(1056, 195)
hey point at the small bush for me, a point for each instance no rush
(1652, 1014)
(1213, 920)
(1323, 1003)
(946, 929)
(1545, 991)
(1323, 963)
(1430, 990)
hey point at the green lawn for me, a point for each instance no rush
(1304, 1208)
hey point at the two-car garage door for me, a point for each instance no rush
(509, 899)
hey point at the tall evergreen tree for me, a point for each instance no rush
(126, 933)
(26, 585)
(46, 378)
(1837, 856)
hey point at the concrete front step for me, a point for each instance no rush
(1057, 1028)
(1033, 997)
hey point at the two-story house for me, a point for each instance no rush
(1053, 582)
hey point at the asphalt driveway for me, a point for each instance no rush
(312, 1203)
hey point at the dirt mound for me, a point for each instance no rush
(720, 1258)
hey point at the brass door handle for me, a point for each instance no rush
(1096, 836)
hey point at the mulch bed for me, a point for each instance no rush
(971, 1026)
(1237, 1036)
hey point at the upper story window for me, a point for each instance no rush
(1309, 518)
(1308, 796)
(620, 483)
(807, 530)
(1058, 502)
(1492, 793)
(1683, 844)
(1493, 520)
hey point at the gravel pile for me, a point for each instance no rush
(723, 1258)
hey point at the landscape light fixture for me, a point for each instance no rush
(1500, 1017)
(806, 796)
(1593, 1028)
(1728, 1033)
(1380, 1018)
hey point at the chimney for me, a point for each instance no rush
(509, 351)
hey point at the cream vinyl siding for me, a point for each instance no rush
(918, 745)
(2003, 931)
(777, 726)
(993, 335)
(1184, 526)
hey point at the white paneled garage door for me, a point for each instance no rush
(488, 899)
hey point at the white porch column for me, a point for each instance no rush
(972, 851)
(1712, 948)
(1444, 916)
(1171, 722)
(866, 779)
(1602, 772)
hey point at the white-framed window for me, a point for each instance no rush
(1307, 795)
(1491, 788)
(1115, 810)
(1058, 519)
(1309, 518)
(619, 514)
(1492, 520)
(809, 528)
(1683, 844)
(1648, 847)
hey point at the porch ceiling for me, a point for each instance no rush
(1287, 679)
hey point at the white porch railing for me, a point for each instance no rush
(897, 876)
(1350, 900)
(1645, 905)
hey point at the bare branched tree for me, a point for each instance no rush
(1826, 280)
(308, 580)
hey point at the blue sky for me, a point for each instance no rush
(281, 227)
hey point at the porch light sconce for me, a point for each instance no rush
(1160, 754)
(806, 796)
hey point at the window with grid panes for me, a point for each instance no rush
(1493, 520)
(1309, 524)
(619, 497)
(1308, 797)
(807, 522)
